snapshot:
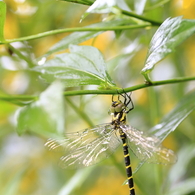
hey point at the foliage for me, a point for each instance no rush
(43, 69)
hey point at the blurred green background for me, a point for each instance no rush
(28, 168)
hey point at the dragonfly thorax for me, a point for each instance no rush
(118, 113)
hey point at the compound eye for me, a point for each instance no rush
(116, 107)
(119, 107)
(111, 110)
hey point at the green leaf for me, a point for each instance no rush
(2, 19)
(178, 171)
(84, 65)
(175, 117)
(183, 188)
(177, 177)
(44, 116)
(79, 37)
(170, 34)
(172, 119)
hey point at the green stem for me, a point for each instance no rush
(85, 2)
(129, 89)
(18, 98)
(21, 56)
(100, 92)
(82, 114)
(153, 22)
(80, 29)
(76, 29)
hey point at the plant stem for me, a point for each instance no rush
(82, 114)
(81, 29)
(77, 29)
(129, 89)
(21, 56)
(15, 99)
(154, 23)
(100, 92)
(80, 2)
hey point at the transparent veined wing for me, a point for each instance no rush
(146, 148)
(87, 147)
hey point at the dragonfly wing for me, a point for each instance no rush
(163, 155)
(75, 139)
(148, 148)
(87, 147)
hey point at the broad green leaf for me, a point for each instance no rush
(170, 34)
(173, 119)
(2, 19)
(44, 116)
(183, 188)
(79, 37)
(84, 65)
(178, 171)
(177, 177)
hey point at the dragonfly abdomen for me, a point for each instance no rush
(127, 163)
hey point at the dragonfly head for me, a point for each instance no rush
(121, 107)
(117, 107)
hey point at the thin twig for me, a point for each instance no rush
(100, 92)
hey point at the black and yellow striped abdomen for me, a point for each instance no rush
(127, 163)
(119, 111)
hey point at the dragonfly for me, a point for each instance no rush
(89, 146)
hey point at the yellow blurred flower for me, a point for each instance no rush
(184, 8)
(188, 3)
